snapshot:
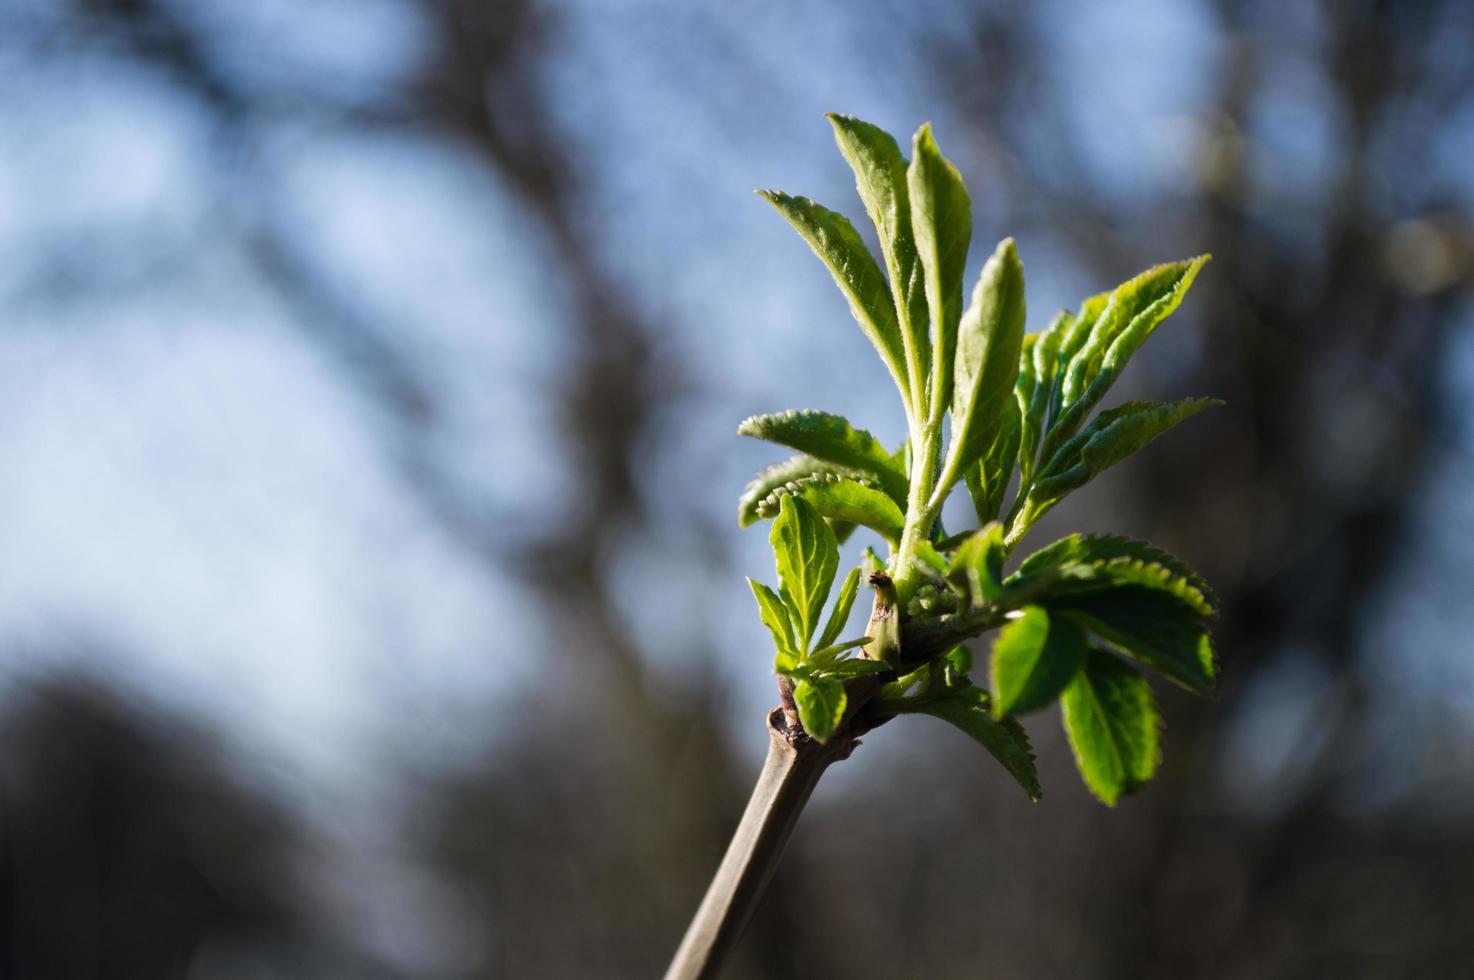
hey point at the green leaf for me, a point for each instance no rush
(1110, 437)
(773, 477)
(1113, 726)
(1034, 658)
(1075, 331)
(807, 557)
(1155, 627)
(825, 658)
(842, 530)
(988, 344)
(841, 499)
(977, 565)
(1095, 559)
(967, 708)
(941, 220)
(833, 440)
(842, 605)
(774, 615)
(786, 663)
(1130, 315)
(854, 667)
(820, 703)
(959, 658)
(988, 481)
(841, 249)
(880, 177)
(1037, 365)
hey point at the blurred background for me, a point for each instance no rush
(371, 599)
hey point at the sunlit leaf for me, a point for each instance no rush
(1096, 559)
(977, 565)
(1130, 315)
(774, 615)
(1110, 437)
(1037, 365)
(1113, 726)
(842, 605)
(841, 249)
(807, 558)
(773, 477)
(1152, 626)
(988, 344)
(880, 177)
(854, 667)
(844, 500)
(833, 440)
(941, 220)
(1034, 658)
(988, 481)
(821, 703)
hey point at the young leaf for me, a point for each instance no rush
(832, 439)
(1132, 313)
(843, 500)
(1085, 562)
(941, 220)
(977, 565)
(1113, 726)
(1152, 626)
(988, 344)
(775, 616)
(967, 708)
(807, 557)
(1110, 437)
(1037, 364)
(880, 177)
(825, 658)
(959, 658)
(820, 702)
(841, 249)
(773, 477)
(841, 612)
(1034, 658)
(1104, 555)
(854, 667)
(987, 482)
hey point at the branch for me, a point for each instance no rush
(792, 770)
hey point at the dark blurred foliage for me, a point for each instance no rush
(132, 848)
(581, 844)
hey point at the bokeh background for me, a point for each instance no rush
(371, 603)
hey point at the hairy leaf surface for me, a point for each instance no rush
(988, 344)
(845, 500)
(841, 249)
(941, 219)
(833, 440)
(880, 177)
(1110, 437)
(1133, 311)
(771, 478)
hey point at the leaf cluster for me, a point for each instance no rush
(995, 409)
